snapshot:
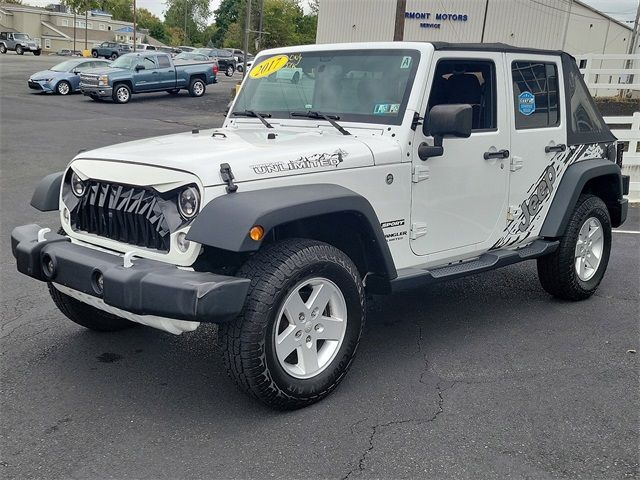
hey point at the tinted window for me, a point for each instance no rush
(163, 61)
(149, 63)
(150, 47)
(535, 94)
(469, 82)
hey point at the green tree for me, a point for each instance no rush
(146, 19)
(119, 9)
(227, 14)
(189, 15)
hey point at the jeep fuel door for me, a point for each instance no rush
(459, 198)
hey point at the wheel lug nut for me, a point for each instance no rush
(318, 327)
(298, 333)
(308, 339)
(301, 317)
(315, 312)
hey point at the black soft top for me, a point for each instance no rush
(585, 123)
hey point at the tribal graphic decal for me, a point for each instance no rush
(529, 218)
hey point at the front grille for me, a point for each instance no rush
(132, 215)
(91, 80)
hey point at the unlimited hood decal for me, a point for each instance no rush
(316, 160)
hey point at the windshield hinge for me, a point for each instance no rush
(516, 163)
(417, 120)
(227, 177)
(418, 229)
(420, 173)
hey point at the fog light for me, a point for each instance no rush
(182, 242)
(98, 282)
(48, 266)
(256, 233)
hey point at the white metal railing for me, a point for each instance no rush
(609, 71)
(630, 132)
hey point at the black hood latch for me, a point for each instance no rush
(227, 177)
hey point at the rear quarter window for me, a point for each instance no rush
(535, 94)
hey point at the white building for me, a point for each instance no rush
(568, 25)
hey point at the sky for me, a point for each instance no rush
(623, 10)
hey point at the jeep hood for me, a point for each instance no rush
(251, 154)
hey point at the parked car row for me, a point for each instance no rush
(131, 73)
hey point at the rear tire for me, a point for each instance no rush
(3, 48)
(229, 71)
(574, 271)
(306, 298)
(37, 53)
(113, 56)
(197, 87)
(86, 315)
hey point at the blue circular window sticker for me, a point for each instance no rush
(526, 103)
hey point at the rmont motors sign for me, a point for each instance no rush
(434, 20)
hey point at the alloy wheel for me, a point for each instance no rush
(589, 248)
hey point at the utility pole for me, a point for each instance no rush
(74, 30)
(186, 5)
(134, 25)
(247, 27)
(484, 21)
(259, 46)
(86, 19)
(398, 30)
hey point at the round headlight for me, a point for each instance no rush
(188, 202)
(77, 185)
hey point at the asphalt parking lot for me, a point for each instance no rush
(484, 377)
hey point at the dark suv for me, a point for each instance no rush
(110, 50)
(226, 60)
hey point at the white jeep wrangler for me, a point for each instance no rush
(340, 170)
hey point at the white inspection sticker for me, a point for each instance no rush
(406, 62)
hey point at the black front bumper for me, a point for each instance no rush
(148, 287)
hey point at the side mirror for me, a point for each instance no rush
(140, 67)
(446, 121)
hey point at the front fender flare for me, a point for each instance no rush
(225, 221)
(46, 196)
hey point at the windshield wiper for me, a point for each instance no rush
(329, 118)
(253, 114)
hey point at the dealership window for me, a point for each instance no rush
(64, 22)
(535, 94)
(470, 82)
(47, 43)
(89, 25)
(102, 26)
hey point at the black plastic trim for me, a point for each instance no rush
(46, 196)
(414, 277)
(149, 287)
(225, 221)
(570, 188)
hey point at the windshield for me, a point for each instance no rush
(370, 86)
(188, 56)
(65, 66)
(127, 62)
(21, 36)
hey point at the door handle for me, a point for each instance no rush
(499, 154)
(555, 148)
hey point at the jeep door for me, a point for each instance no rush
(459, 199)
(538, 141)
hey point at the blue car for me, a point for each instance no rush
(64, 78)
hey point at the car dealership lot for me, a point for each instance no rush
(485, 377)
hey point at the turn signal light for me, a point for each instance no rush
(256, 233)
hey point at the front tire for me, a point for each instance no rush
(121, 93)
(301, 324)
(86, 315)
(197, 87)
(94, 54)
(113, 56)
(37, 53)
(19, 50)
(63, 88)
(574, 271)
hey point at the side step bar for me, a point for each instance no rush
(413, 277)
